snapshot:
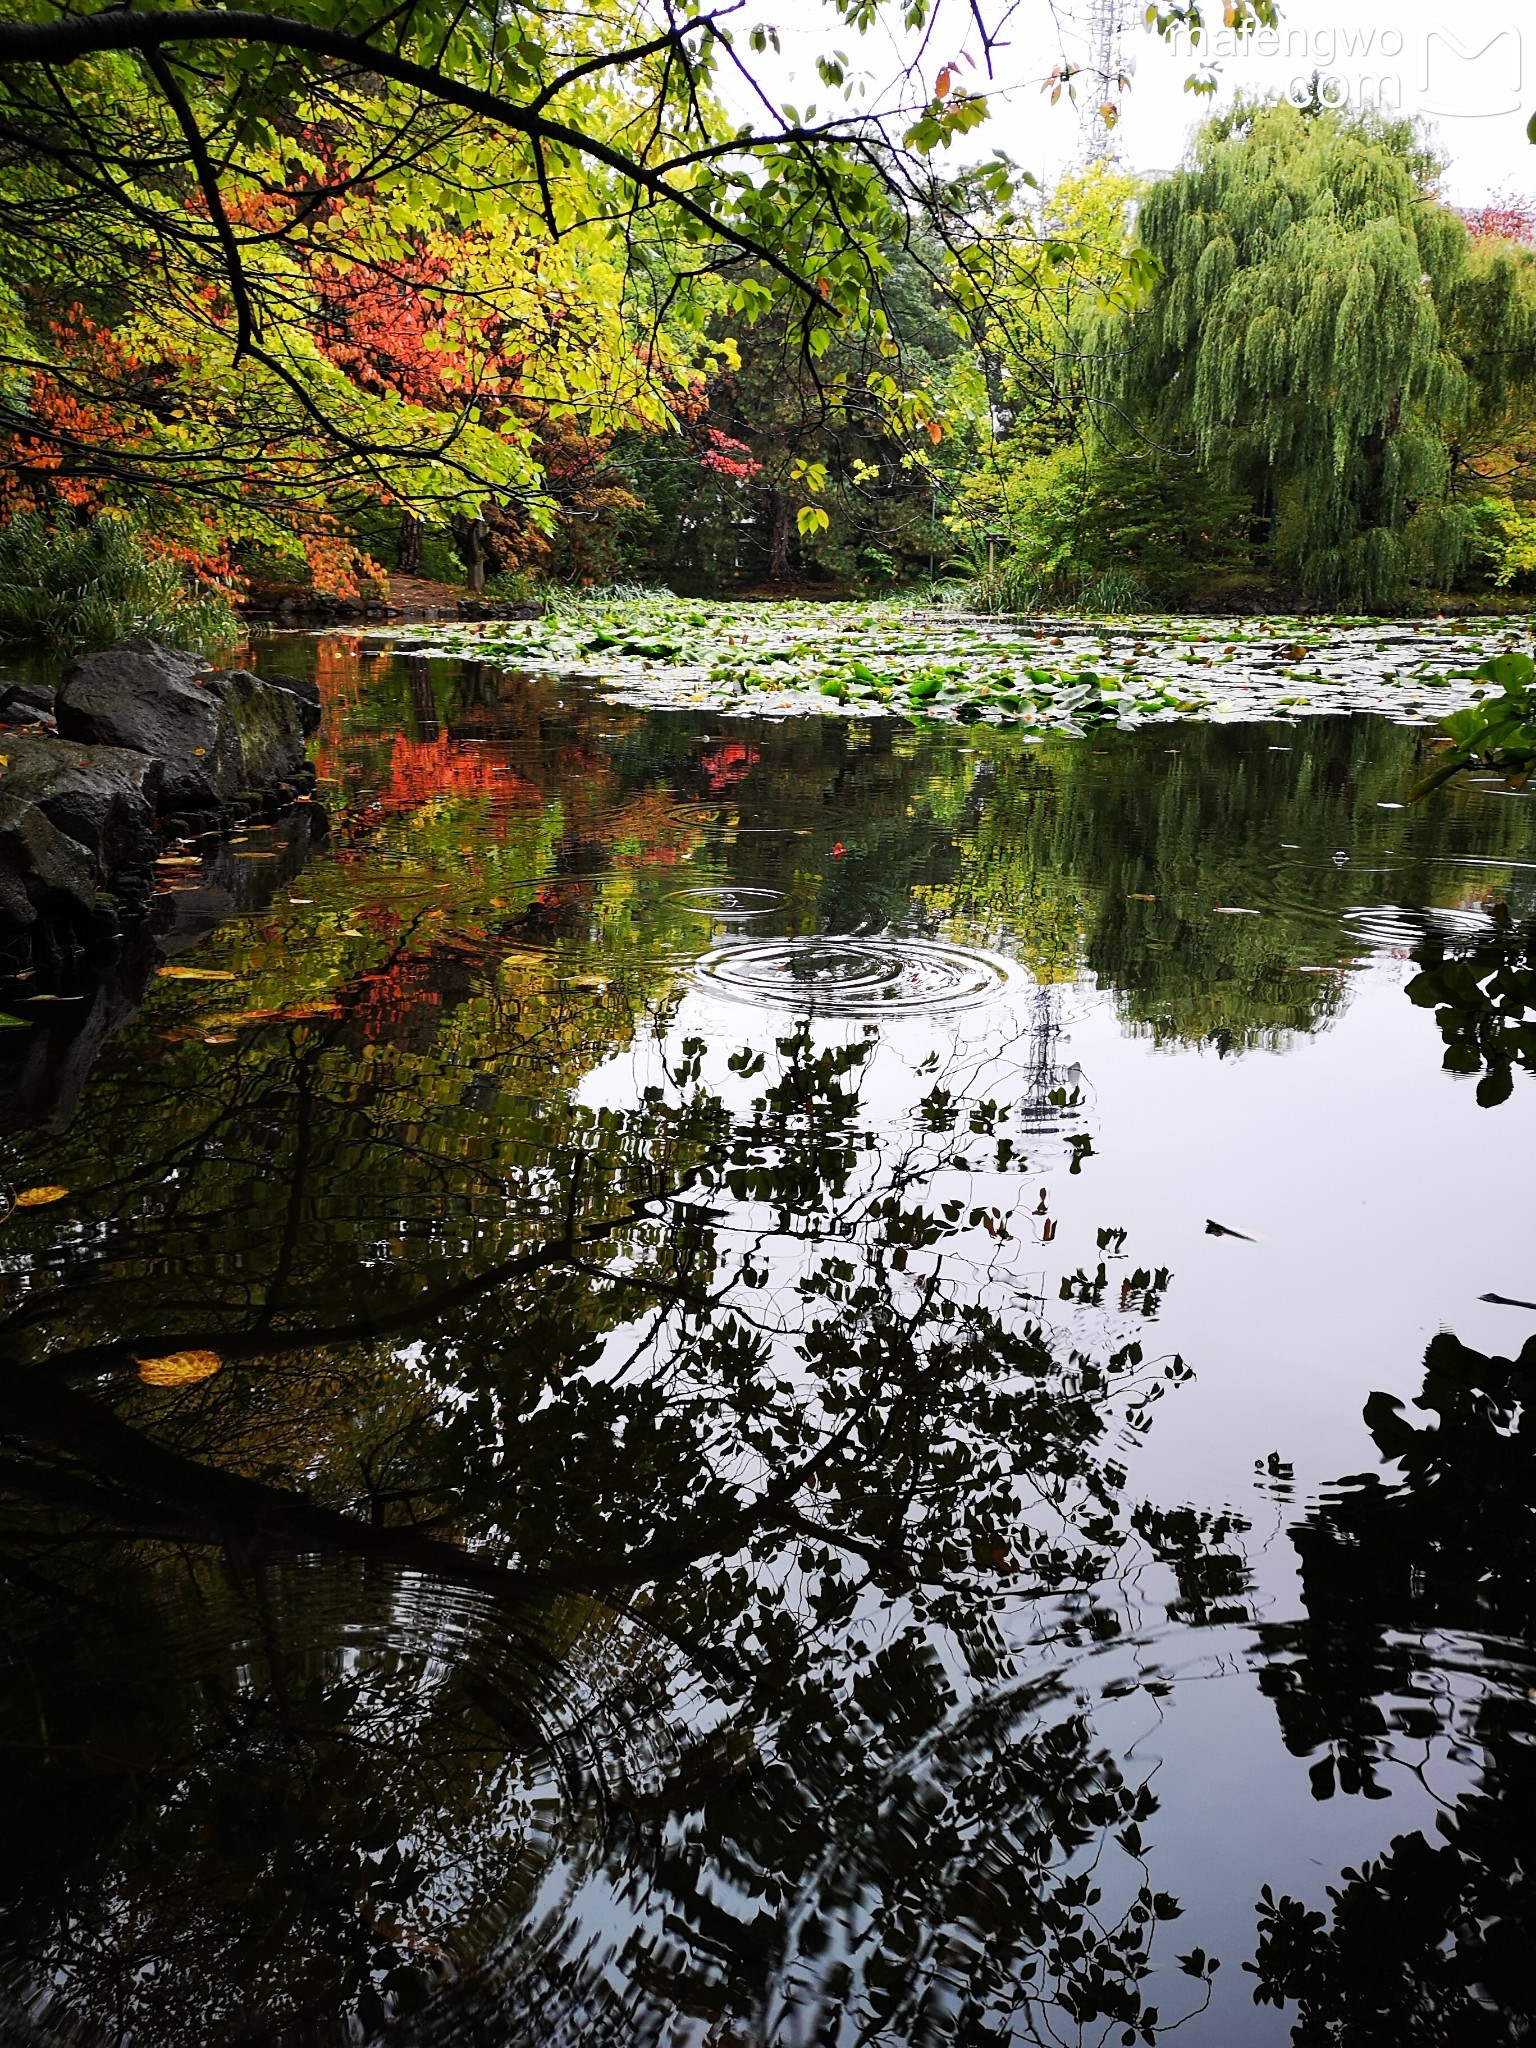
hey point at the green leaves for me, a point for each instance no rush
(1499, 734)
(943, 121)
(1323, 336)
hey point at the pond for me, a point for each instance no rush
(723, 1379)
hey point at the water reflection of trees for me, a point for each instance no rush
(687, 1515)
(1483, 993)
(633, 1567)
(1420, 1596)
(1114, 855)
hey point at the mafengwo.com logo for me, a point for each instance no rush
(1470, 76)
(1474, 70)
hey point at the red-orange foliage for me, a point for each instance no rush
(1505, 218)
(388, 331)
(727, 457)
(75, 433)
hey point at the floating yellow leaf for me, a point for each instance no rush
(179, 1368)
(198, 974)
(38, 1198)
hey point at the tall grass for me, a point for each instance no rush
(1009, 586)
(572, 597)
(89, 586)
(1118, 593)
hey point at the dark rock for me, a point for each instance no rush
(57, 876)
(500, 608)
(261, 730)
(146, 697)
(25, 703)
(16, 912)
(104, 798)
(216, 732)
(306, 689)
(151, 744)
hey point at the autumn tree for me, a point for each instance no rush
(214, 221)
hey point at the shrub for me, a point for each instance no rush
(88, 586)
(1118, 593)
(1111, 531)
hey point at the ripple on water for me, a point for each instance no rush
(832, 976)
(1389, 927)
(728, 902)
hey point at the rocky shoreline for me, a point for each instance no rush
(141, 753)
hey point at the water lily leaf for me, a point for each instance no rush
(39, 1198)
(179, 1368)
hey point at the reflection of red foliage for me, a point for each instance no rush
(420, 770)
(724, 766)
(380, 1003)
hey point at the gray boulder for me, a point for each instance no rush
(103, 798)
(48, 874)
(261, 730)
(149, 698)
(25, 703)
(306, 689)
(142, 730)
(216, 733)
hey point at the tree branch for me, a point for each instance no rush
(213, 198)
(122, 29)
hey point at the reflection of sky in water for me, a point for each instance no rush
(1376, 1200)
(1376, 1195)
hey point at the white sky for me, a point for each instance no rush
(1464, 65)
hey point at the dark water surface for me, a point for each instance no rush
(735, 1495)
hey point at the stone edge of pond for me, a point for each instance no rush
(139, 750)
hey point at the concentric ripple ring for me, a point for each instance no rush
(728, 902)
(853, 977)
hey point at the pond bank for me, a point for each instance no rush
(139, 752)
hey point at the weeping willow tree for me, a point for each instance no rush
(1327, 337)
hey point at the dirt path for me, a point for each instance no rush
(419, 594)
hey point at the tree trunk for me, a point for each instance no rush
(408, 547)
(471, 536)
(781, 533)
